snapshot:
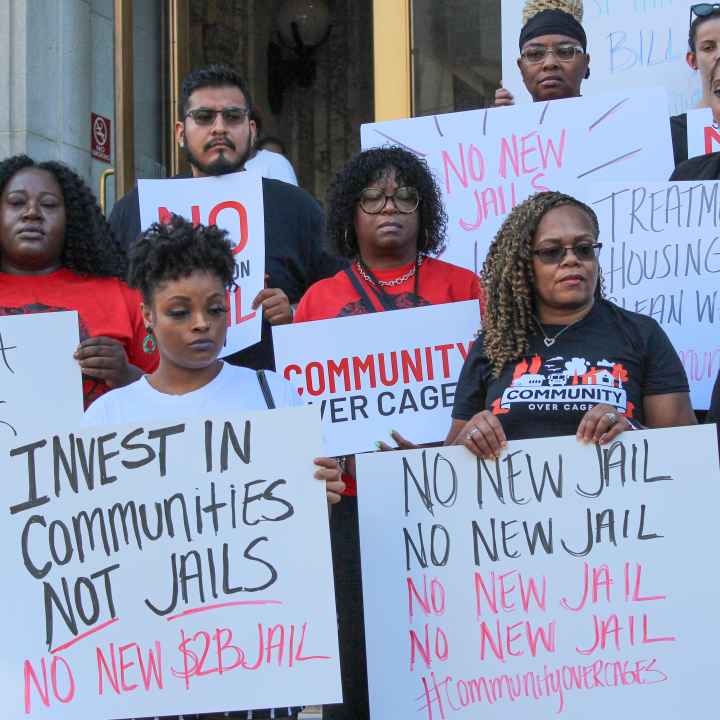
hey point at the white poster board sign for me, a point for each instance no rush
(487, 161)
(40, 380)
(371, 374)
(234, 203)
(632, 45)
(149, 570)
(560, 581)
(661, 257)
(703, 138)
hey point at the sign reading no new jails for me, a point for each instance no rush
(487, 161)
(148, 570)
(234, 203)
(375, 373)
(661, 257)
(562, 580)
(631, 45)
(40, 380)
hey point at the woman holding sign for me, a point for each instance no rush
(183, 273)
(385, 215)
(57, 253)
(555, 357)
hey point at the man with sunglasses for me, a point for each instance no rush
(217, 133)
(703, 52)
(553, 58)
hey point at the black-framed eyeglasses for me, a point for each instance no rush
(704, 9)
(555, 254)
(535, 54)
(373, 200)
(231, 115)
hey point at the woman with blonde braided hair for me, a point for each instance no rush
(555, 357)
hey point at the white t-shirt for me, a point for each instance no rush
(272, 165)
(234, 389)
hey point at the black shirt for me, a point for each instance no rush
(713, 414)
(678, 133)
(294, 253)
(611, 356)
(701, 167)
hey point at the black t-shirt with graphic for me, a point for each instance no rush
(611, 356)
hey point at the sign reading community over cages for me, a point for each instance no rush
(148, 570)
(371, 374)
(234, 203)
(40, 380)
(488, 161)
(561, 580)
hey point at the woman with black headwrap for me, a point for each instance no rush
(553, 58)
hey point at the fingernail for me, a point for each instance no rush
(393, 432)
(378, 444)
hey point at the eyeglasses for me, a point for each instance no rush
(373, 200)
(206, 116)
(704, 9)
(555, 254)
(537, 53)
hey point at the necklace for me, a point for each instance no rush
(389, 283)
(550, 341)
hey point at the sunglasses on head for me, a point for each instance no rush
(704, 9)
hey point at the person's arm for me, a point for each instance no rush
(670, 410)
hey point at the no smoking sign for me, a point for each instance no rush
(100, 137)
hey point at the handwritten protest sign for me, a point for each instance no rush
(703, 137)
(487, 161)
(40, 381)
(561, 580)
(661, 257)
(235, 203)
(148, 572)
(631, 45)
(371, 374)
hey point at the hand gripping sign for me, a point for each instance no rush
(234, 203)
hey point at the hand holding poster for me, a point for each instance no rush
(487, 161)
(560, 580)
(40, 380)
(371, 374)
(661, 257)
(632, 45)
(148, 570)
(234, 203)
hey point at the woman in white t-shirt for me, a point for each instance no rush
(183, 273)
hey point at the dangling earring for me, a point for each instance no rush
(181, 143)
(149, 342)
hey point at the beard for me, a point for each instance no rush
(221, 165)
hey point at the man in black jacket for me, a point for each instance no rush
(217, 135)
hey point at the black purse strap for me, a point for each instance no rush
(265, 388)
(384, 301)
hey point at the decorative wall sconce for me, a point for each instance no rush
(302, 26)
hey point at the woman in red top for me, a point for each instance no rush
(57, 253)
(385, 215)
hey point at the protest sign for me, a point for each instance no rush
(371, 374)
(562, 580)
(703, 137)
(661, 257)
(149, 571)
(234, 203)
(487, 161)
(631, 45)
(40, 380)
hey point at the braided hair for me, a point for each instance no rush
(176, 249)
(509, 281)
(372, 165)
(89, 247)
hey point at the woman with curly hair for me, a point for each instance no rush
(57, 253)
(555, 357)
(385, 214)
(184, 273)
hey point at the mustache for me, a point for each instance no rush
(225, 141)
